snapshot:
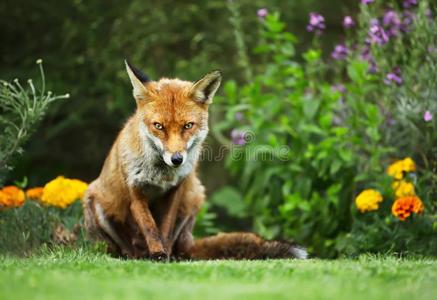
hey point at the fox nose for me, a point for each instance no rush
(177, 158)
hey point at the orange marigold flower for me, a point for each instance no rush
(11, 196)
(34, 193)
(368, 200)
(398, 168)
(403, 207)
(4, 199)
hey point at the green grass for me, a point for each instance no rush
(83, 275)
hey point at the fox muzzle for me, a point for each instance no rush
(174, 159)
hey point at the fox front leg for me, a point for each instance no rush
(169, 214)
(144, 219)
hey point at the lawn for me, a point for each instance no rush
(82, 275)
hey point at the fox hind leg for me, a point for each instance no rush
(100, 228)
(183, 237)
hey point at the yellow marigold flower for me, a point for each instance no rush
(34, 193)
(403, 207)
(61, 192)
(368, 200)
(80, 187)
(11, 196)
(403, 188)
(409, 165)
(398, 168)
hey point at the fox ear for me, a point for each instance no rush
(204, 89)
(137, 79)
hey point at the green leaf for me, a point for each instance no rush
(231, 200)
(273, 24)
(310, 107)
(312, 55)
(335, 166)
(230, 89)
(357, 71)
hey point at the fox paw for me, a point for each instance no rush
(159, 256)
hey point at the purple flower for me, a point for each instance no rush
(428, 13)
(239, 116)
(391, 18)
(427, 116)
(262, 13)
(407, 20)
(339, 88)
(366, 2)
(348, 22)
(392, 23)
(374, 21)
(377, 34)
(340, 52)
(389, 120)
(394, 77)
(238, 137)
(337, 120)
(367, 56)
(432, 50)
(410, 3)
(316, 23)
(373, 68)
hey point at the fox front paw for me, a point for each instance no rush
(159, 256)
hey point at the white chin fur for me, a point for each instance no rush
(167, 159)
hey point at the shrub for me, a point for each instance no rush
(27, 228)
(21, 109)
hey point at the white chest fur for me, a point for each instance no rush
(148, 168)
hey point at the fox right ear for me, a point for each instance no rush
(137, 79)
(204, 89)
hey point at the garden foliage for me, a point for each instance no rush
(32, 225)
(343, 118)
(41, 216)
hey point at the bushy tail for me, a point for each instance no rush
(242, 245)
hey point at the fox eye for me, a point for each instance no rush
(158, 126)
(189, 125)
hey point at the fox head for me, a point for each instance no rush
(173, 113)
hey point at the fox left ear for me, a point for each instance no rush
(137, 79)
(204, 89)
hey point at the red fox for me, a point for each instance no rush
(145, 201)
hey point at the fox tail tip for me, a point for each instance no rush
(299, 252)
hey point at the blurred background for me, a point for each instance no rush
(83, 45)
